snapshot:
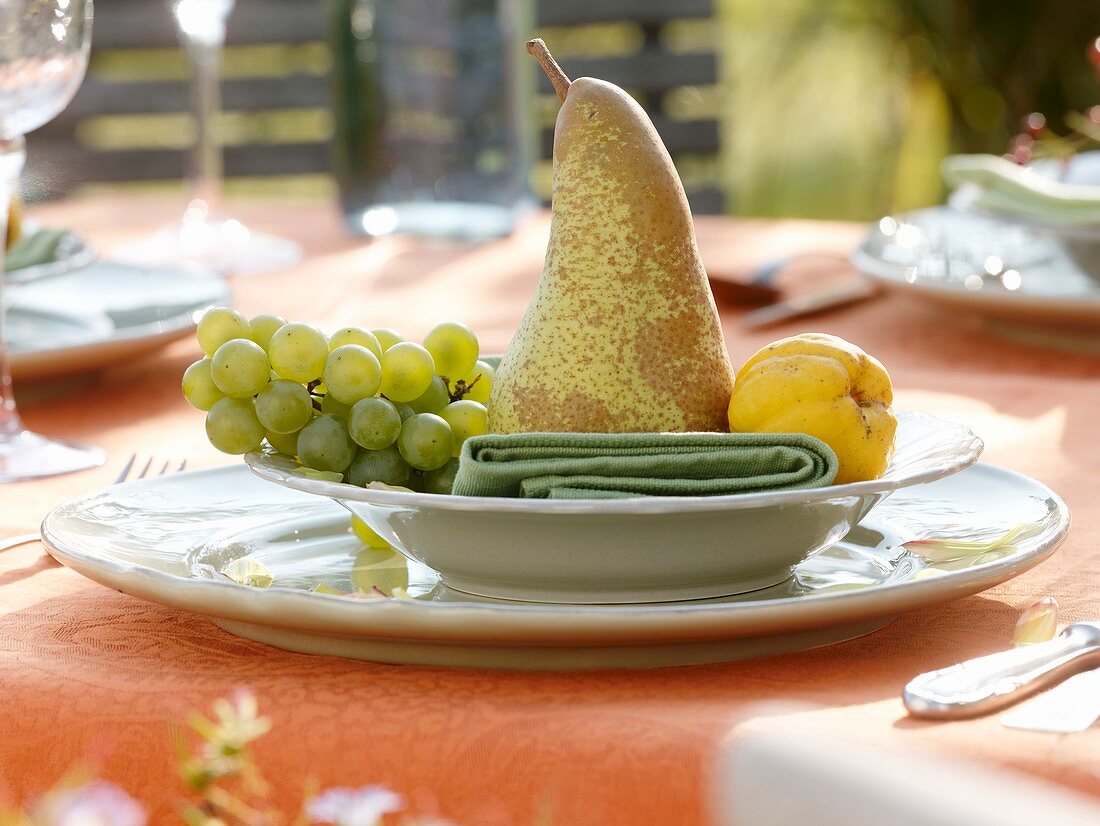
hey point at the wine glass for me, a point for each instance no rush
(203, 235)
(43, 54)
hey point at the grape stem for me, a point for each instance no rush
(316, 398)
(461, 388)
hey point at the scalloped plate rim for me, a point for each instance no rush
(969, 451)
(248, 601)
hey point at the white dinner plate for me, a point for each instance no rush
(1020, 281)
(103, 313)
(173, 540)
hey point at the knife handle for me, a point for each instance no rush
(985, 684)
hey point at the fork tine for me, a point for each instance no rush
(166, 468)
(126, 469)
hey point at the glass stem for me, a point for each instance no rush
(12, 156)
(206, 171)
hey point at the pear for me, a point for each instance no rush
(622, 334)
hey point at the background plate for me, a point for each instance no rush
(946, 257)
(144, 308)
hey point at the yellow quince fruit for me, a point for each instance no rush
(823, 386)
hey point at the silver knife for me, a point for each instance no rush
(826, 298)
(990, 683)
(1068, 708)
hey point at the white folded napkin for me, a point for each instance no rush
(770, 772)
(998, 185)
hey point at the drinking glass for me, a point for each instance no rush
(431, 122)
(204, 235)
(43, 54)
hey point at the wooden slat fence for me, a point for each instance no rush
(128, 124)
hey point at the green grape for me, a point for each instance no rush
(324, 444)
(387, 337)
(334, 408)
(264, 327)
(284, 407)
(250, 572)
(355, 335)
(240, 368)
(379, 569)
(407, 370)
(442, 479)
(466, 418)
(432, 400)
(232, 426)
(320, 475)
(298, 352)
(219, 325)
(404, 410)
(385, 465)
(480, 382)
(352, 372)
(367, 535)
(373, 556)
(426, 441)
(285, 443)
(374, 423)
(198, 385)
(453, 347)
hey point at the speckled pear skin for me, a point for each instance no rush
(622, 335)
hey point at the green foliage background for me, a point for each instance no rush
(844, 109)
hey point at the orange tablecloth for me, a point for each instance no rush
(86, 672)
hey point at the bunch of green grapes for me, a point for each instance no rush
(365, 404)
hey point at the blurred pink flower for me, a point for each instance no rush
(364, 806)
(96, 804)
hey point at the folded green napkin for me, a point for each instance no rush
(999, 185)
(37, 248)
(34, 249)
(621, 465)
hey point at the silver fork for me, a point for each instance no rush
(148, 466)
(23, 539)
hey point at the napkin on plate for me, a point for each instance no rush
(620, 465)
(999, 185)
(39, 247)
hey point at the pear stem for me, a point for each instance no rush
(558, 79)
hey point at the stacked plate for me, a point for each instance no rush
(77, 317)
(1031, 276)
(1059, 201)
(553, 584)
